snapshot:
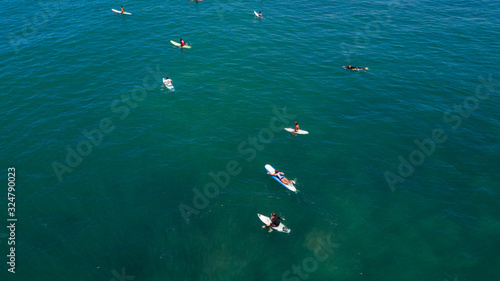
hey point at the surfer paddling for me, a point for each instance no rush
(350, 67)
(281, 176)
(275, 221)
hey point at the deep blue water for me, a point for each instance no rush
(398, 178)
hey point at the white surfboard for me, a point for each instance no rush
(120, 12)
(280, 228)
(257, 14)
(169, 86)
(271, 170)
(300, 132)
(179, 45)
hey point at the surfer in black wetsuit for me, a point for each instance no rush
(275, 221)
(356, 68)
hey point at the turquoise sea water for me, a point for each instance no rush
(398, 179)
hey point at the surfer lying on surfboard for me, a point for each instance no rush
(281, 177)
(275, 221)
(350, 67)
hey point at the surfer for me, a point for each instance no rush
(123, 10)
(182, 43)
(275, 221)
(356, 68)
(281, 177)
(296, 127)
(260, 15)
(167, 82)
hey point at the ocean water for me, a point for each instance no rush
(117, 178)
